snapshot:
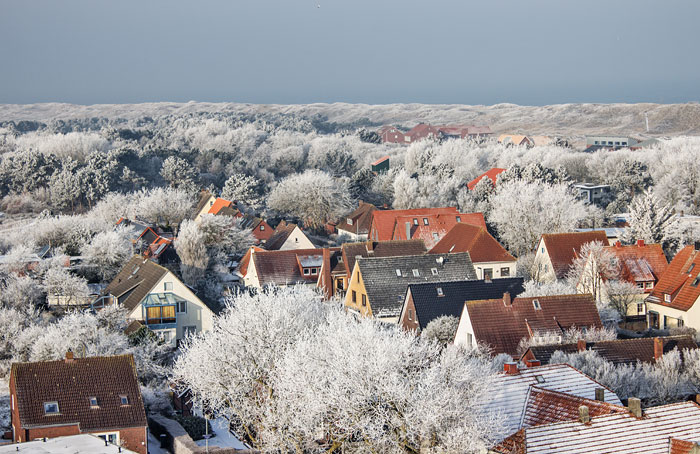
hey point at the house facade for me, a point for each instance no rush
(356, 225)
(288, 237)
(156, 297)
(95, 395)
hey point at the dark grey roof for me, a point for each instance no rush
(429, 305)
(386, 290)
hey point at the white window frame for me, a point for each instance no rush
(166, 285)
(416, 273)
(51, 403)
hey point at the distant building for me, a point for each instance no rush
(391, 134)
(381, 165)
(594, 143)
(288, 236)
(592, 193)
(516, 140)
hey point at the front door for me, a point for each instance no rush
(653, 320)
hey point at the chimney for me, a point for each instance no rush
(510, 368)
(581, 345)
(69, 356)
(532, 363)
(634, 405)
(600, 394)
(370, 246)
(618, 244)
(507, 302)
(658, 348)
(583, 416)
(408, 230)
(640, 243)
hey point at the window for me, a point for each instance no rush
(488, 274)
(436, 236)
(51, 408)
(425, 221)
(597, 142)
(168, 286)
(364, 299)
(349, 221)
(546, 267)
(536, 305)
(354, 296)
(306, 271)
(124, 400)
(649, 285)
(469, 339)
(617, 143)
(640, 308)
(434, 271)
(696, 281)
(667, 298)
(182, 307)
(440, 292)
(160, 314)
(166, 335)
(505, 272)
(692, 265)
(416, 273)
(543, 250)
(624, 143)
(262, 228)
(653, 320)
(539, 378)
(415, 221)
(410, 314)
(314, 271)
(112, 437)
(93, 402)
(398, 273)
(459, 219)
(640, 284)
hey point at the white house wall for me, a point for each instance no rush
(297, 240)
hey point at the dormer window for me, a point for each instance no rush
(314, 271)
(536, 305)
(349, 221)
(435, 236)
(415, 221)
(306, 271)
(93, 402)
(51, 408)
(434, 271)
(459, 219)
(398, 272)
(425, 221)
(416, 273)
(124, 400)
(262, 228)
(690, 269)
(440, 292)
(667, 298)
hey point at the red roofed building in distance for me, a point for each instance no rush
(491, 260)
(491, 174)
(391, 134)
(556, 253)
(674, 300)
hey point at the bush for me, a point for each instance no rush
(194, 425)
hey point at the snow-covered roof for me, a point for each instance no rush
(74, 444)
(511, 391)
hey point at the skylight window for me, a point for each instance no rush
(434, 271)
(51, 408)
(93, 401)
(536, 305)
(459, 219)
(398, 272)
(692, 265)
(425, 221)
(124, 400)
(539, 378)
(440, 292)
(696, 281)
(435, 236)
(415, 221)
(416, 273)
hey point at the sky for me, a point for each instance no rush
(528, 52)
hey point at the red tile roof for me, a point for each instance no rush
(438, 225)
(678, 279)
(284, 267)
(681, 446)
(361, 219)
(218, 205)
(482, 247)
(640, 262)
(72, 384)
(545, 407)
(563, 248)
(384, 221)
(491, 174)
(502, 326)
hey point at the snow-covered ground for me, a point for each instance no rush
(4, 405)
(223, 438)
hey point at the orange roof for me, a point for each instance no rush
(681, 446)
(431, 228)
(219, 204)
(640, 262)
(492, 174)
(382, 159)
(482, 247)
(678, 279)
(245, 261)
(563, 248)
(383, 221)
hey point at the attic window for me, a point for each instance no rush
(435, 236)
(692, 265)
(440, 292)
(416, 273)
(93, 402)
(459, 219)
(539, 378)
(51, 408)
(349, 221)
(536, 305)
(262, 227)
(434, 271)
(124, 400)
(306, 271)
(415, 221)
(667, 298)
(398, 272)
(425, 221)
(696, 281)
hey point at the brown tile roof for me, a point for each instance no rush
(563, 248)
(438, 225)
(361, 219)
(71, 384)
(482, 247)
(546, 406)
(620, 351)
(379, 249)
(384, 221)
(491, 174)
(502, 326)
(640, 262)
(283, 267)
(204, 196)
(682, 446)
(278, 238)
(678, 279)
(135, 281)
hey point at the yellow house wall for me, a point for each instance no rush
(496, 267)
(357, 284)
(297, 240)
(205, 209)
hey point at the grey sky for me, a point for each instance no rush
(372, 51)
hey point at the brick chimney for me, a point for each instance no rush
(511, 368)
(640, 243)
(658, 348)
(634, 405)
(69, 356)
(581, 345)
(618, 244)
(507, 302)
(583, 416)
(533, 363)
(600, 394)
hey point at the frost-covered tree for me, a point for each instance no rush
(179, 173)
(20, 292)
(279, 366)
(651, 221)
(98, 177)
(534, 288)
(594, 265)
(244, 189)
(191, 247)
(223, 234)
(64, 188)
(442, 329)
(107, 253)
(620, 295)
(521, 212)
(71, 288)
(405, 191)
(163, 206)
(313, 196)
(533, 172)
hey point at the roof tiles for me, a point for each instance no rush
(563, 248)
(679, 281)
(482, 247)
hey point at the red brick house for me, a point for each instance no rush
(390, 134)
(98, 395)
